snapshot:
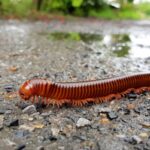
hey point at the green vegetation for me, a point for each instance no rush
(122, 53)
(85, 8)
(145, 8)
(16, 8)
(130, 11)
(75, 36)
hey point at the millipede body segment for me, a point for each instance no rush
(80, 93)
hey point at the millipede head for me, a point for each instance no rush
(25, 91)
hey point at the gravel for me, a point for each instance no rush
(27, 51)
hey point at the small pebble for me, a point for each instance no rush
(127, 112)
(12, 122)
(20, 147)
(30, 118)
(132, 96)
(52, 138)
(112, 115)
(102, 109)
(146, 124)
(8, 112)
(121, 136)
(45, 114)
(82, 122)
(47, 75)
(29, 109)
(13, 68)
(134, 140)
(9, 88)
(55, 131)
(21, 133)
(86, 66)
(36, 115)
(40, 148)
(2, 111)
(143, 135)
(81, 137)
(98, 53)
(96, 67)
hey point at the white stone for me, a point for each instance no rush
(55, 131)
(29, 109)
(82, 122)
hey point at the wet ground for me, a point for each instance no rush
(73, 50)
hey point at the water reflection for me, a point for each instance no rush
(120, 45)
(131, 45)
(75, 36)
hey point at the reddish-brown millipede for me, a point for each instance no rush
(80, 93)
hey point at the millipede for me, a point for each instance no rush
(81, 93)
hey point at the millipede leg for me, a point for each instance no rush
(141, 90)
(76, 102)
(81, 102)
(36, 99)
(43, 100)
(32, 99)
(118, 96)
(60, 102)
(48, 101)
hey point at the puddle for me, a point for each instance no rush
(85, 37)
(129, 45)
(120, 45)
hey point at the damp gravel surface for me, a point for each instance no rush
(73, 50)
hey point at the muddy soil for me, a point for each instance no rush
(73, 50)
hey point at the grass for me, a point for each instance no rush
(18, 8)
(145, 7)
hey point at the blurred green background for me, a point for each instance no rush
(105, 9)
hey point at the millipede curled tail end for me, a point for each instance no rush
(81, 93)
